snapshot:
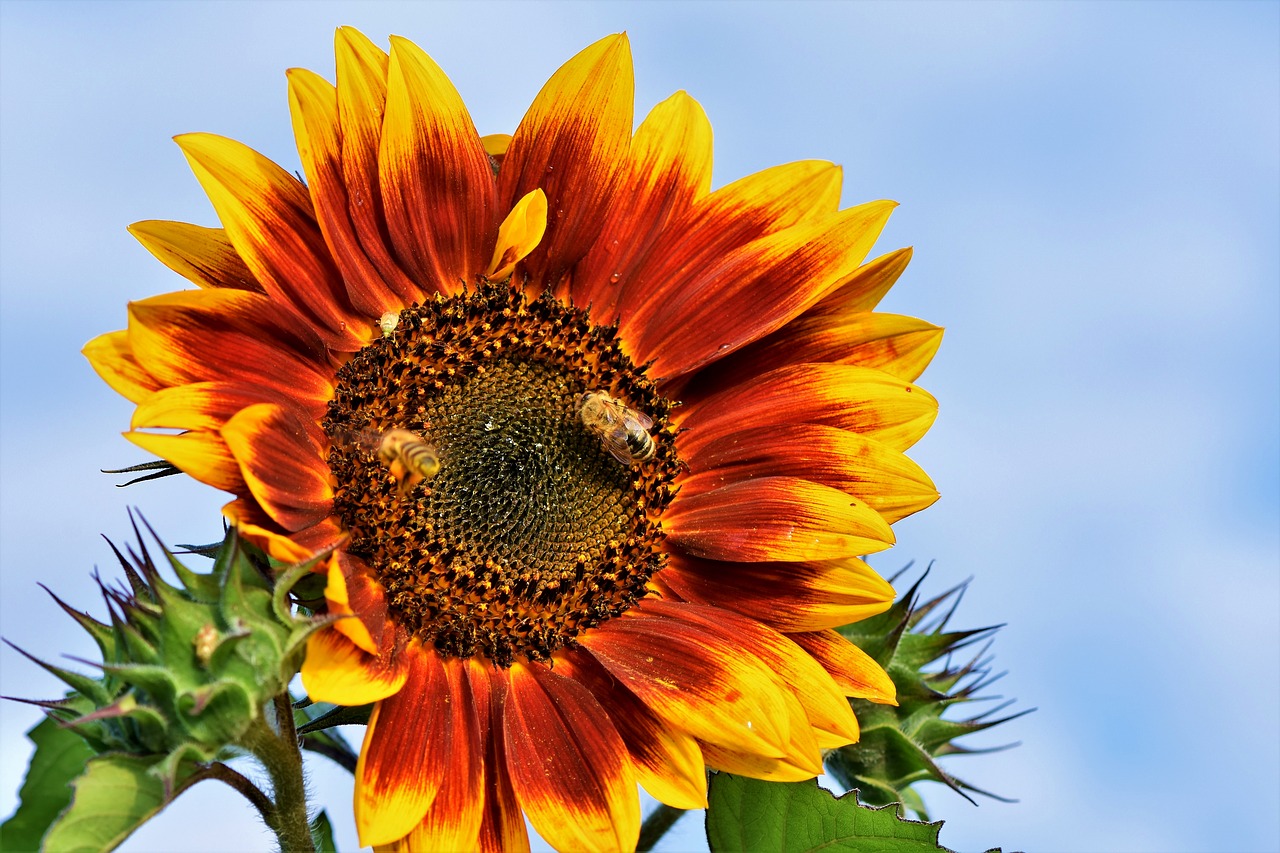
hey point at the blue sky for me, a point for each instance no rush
(1093, 194)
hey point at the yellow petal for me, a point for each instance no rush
(519, 234)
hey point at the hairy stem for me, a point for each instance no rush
(223, 773)
(279, 754)
(656, 825)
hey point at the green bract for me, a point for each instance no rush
(188, 669)
(900, 745)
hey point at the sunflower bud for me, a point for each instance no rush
(187, 669)
(900, 745)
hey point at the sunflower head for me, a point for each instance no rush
(592, 449)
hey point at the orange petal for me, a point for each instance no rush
(276, 544)
(269, 220)
(519, 234)
(313, 102)
(719, 225)
(668, 762)
(573, 144)
(111, 357)
(230, 335)
(569, 767)
(207, 406)
(670, 170)
(824, 706)
(755, 289)
(362, 101)
(336, 670)
(884, 478)
(436, 181)
(757, 766)
(503, 828)
(900, 346)
(355, 594)
(854, 671)
(775, 518)
(281, 464)
(203, 455)
(203, 256)
(863, 289)
(452, 821)
(407, 747)
(858, 399)
(693, 680)
(816, 595)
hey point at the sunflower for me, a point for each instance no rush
(546, 601)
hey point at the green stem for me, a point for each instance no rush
(656, 825)
(279, 754)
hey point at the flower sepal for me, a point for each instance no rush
(901, 743)
(192, 674)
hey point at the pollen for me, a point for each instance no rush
(531, 531)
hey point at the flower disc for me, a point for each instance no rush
(531, 531)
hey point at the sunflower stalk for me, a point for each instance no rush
(277, 748)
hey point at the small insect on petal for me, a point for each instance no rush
(388, 322)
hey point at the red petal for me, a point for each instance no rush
(568, 765)
(452, 821)
(406, 752)
(230, 335)
(202, 455)
(824, 706)
(694, 680)
(573, 144)
(900, 346)
(313, 102)
(786, 596)
(867, 285)
(281, 464)
(755, 289)
(854, 671)
(670, 169)
(720, 224)
(111, 357)
(884, 478)
(667, 760)
(858, 399)
(503, 829)
(362, 101)
(209, 405)
(775, 518)
(337, 671)
(269, 220)
(436, 181)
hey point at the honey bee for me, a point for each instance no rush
(409, 457)
(623, 431)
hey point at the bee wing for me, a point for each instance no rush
(631, 419)
(615, 441)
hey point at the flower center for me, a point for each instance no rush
(530, 530)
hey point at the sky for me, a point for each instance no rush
(1092, 192)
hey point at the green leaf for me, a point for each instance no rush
(116, 794)
(322, 834)
(793, 817)
(60, 757)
